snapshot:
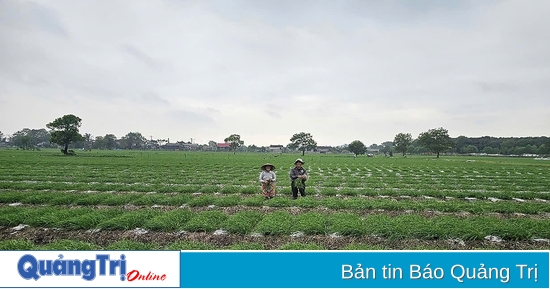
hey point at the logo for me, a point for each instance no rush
(31, 268)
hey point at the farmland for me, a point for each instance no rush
(133, 200)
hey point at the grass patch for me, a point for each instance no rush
(13, 197)
(129, 221)
(202, 201)
(91, 199)
(276, 223)
(227, 201)
(14, 245)
(346, 224)
(255, 201)
(171, 221)
(311, 223)
(279, 202)
(206, 221)
(89, 220)
(306, 202)
(242, 222)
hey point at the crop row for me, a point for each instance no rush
(280, 223)
(334, 203)
(228, 177)
(532, 192)
(183, 245)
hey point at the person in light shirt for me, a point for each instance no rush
(268, 178)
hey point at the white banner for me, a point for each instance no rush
(89, 269)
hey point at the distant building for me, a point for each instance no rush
(171, 146)
(323, 149)
(223, 146)
(276, 148)
(180, 146)
(190, 146)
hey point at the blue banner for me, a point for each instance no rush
(362, 269)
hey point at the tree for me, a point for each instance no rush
(234, 141)
(339, 149)
(99, 143)
(30, 138)
(302, 141)
(402, 141)
(530, 149)
(490, 150)
(133, 140)
(436, 140)
(88, 141)
(161, 142)
(252, 148)
(110, 141)
(542, 149)
(387, 148)
(212, 145)
(64, 131)
(461, 143)
(470, 149)
(357, 147)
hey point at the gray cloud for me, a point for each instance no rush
(143, 57)
(496, 87)
(152, 98)
(187, 118)
(27, 15)
(388, 66)
(273, 114)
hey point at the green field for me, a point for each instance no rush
(201, 200)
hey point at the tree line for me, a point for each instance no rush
(64, 131)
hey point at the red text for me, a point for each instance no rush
(135, 275)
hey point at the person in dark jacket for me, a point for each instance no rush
(298, 177)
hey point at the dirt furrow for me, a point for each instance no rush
(300, 210)
(42, 236)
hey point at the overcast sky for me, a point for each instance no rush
(340, 70)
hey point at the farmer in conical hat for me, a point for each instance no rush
(268, 178)
(298, 177)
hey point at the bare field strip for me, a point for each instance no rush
(55, 239)
(398, 205)
(197, 200)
